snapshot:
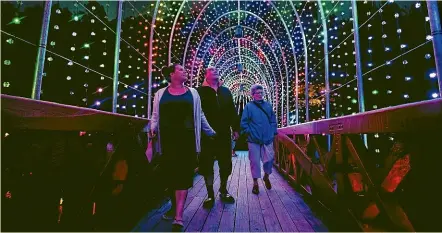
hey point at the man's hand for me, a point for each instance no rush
(235, 136)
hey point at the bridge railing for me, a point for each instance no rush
(67, 168)
(390, 191)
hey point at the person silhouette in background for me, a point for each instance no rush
(177, 122)
(258, 123)
(218, 106)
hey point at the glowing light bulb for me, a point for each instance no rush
(16, 20)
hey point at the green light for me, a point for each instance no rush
(375, 92)
(354, 101)
(16, 20)
(77, 17)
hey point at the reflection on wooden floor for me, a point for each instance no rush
(280, 209)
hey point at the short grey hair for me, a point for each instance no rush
(256, 87)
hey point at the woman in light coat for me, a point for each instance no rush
(258, 122)
(177, 122)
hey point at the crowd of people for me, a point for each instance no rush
(196, 127)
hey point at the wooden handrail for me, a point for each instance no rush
(27, 113)
(413, 117)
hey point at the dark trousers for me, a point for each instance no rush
(216, 149)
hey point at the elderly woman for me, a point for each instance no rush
(177, 122)
(258, 122)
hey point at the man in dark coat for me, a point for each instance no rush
(219, 109)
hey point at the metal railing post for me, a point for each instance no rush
(40, 63)
(117, 56)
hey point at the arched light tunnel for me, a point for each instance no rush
(246, 45)
(301, 52)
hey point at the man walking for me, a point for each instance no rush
(258, 123)
(219, 109)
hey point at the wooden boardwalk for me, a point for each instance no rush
(280, 209)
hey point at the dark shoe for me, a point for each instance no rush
(255, 189)
(267, 183)
(208, 203)
(226, 197)
(177, 225)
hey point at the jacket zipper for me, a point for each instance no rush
(217, 100)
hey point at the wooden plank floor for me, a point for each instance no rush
(280, 209)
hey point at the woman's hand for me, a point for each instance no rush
(152, 134)
(235, 136)
(213, 136)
